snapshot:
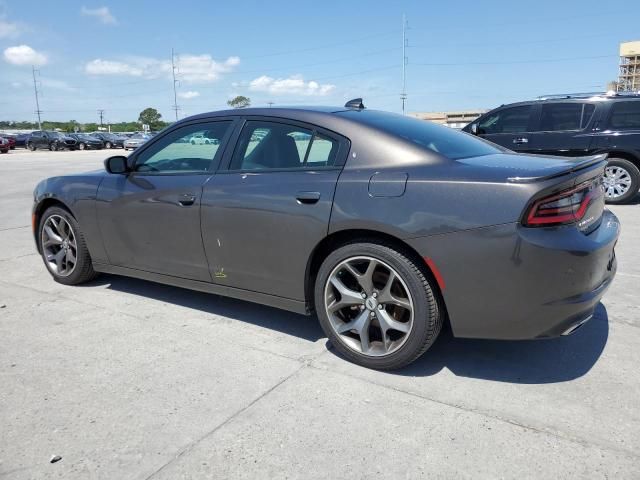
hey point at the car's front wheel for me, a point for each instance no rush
(31, 146)
(376, 305)
(621, 180)
(63, 247)
(107, 145)
(82, 146)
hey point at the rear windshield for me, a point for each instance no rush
(443, 140)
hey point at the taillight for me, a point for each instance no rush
(568, 206)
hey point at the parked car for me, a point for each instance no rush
(574, 125)
(12, 141)
(109, 140)
(4, 145)
(51, 140)
(135, 141)
(201, 139)
(21, 139)
(85, 141)
(384, 225)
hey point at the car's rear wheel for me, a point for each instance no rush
(621, 180)
(53, 146)
(376, 305)
(107, 145)
(63, 247)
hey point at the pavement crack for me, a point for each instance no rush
(211, 432)
(556, 434)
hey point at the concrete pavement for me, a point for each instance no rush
(128, 379)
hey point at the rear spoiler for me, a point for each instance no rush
(581, 163)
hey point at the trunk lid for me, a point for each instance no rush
(527, 168)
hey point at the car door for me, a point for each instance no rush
(620, 129)
(564, 128)
(508, 127)
(263, 216)
(150, 217)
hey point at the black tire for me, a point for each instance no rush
(31, 146)
(108, 145)
(427, 314)
(53, 146)
(5, 151)
(634, 174)
(83, 270)
(81, 146)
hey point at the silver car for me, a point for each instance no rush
(135, 141)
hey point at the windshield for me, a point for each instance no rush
(443, 140)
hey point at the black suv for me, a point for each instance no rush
(574, 125)
(51, 140)
(109, 140)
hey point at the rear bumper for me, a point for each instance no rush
(512, 282)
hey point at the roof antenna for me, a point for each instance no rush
(355, 103)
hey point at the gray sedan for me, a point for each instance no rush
(385, 227)
(135, 141)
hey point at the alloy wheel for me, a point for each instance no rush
(369, 306)
(617, 181)
(59, 245)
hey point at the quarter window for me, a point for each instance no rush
(270, 145)
(507, 120)
(556, 117)
(189, 149)
(625, 115)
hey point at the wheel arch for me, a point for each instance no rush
(343, 237)
(42, 207)
(624, 154)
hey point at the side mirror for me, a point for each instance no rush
(116, 164)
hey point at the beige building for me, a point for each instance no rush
(454, 119)
(629, 77)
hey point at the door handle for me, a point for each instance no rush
(187, 199)
(308, 198)
(520, 140)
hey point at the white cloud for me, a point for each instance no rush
(24, 55)
(190, 68)
(101, 13)
(188, 95)
(293, 85)
(110, 67)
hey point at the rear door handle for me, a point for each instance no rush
(308, 198)
(520, 140)
(187, 199)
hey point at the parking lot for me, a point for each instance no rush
(127, 379)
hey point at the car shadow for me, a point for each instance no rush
(302, 326)
(527, 362)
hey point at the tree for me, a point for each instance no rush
(151, 117)
(239, 102)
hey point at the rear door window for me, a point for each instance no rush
(625, 116)
(557, 117)
(507, 120)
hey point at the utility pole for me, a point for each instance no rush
(101, 113)
(35, 90)
(270, 104)
(403, 95)
(175, 94)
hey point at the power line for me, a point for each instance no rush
(515, 62)
(35, 90)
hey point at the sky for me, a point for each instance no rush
(115, 55)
